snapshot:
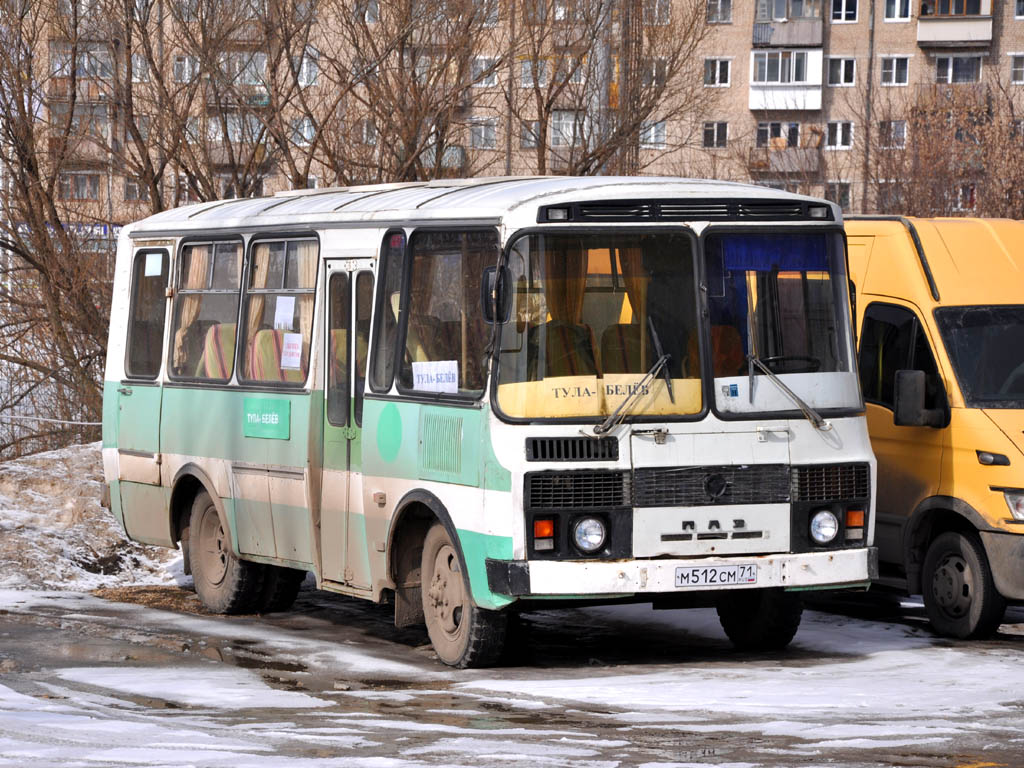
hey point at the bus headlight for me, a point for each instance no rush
(824, 526)
(1015, 501)
(589, 534)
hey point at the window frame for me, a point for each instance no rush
(714, 14)
(898, 5)
(480, 129)
(1016, 68)
(328, 362)
(133, 297)
(781, 53)
(883, 134)
(839, 146)
(715, 125)
(718, 63)
(842, 7)
(950, 60)
(846, 63)
(895, 82)
(654, 134)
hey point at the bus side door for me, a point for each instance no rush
(139, 395)
(349, 287)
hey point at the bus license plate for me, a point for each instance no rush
(716, 575)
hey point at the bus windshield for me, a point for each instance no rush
(986, 345)
(591, 315)
(781, 298)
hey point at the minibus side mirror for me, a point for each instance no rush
(493, 294)
(910, 410)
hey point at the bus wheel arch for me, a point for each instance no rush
(932, 518)
(189, 482)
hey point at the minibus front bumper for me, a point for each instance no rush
(838, 569)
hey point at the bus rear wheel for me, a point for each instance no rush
(760, 619)
(462, 634)
(224, 583)
(959, 595)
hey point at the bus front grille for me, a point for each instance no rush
(577, 489)
(572, 449)
(699, 486)
(831, 482)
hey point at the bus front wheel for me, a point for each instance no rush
(224, 583)
(760, 619)
(959, 595)
(462, 634)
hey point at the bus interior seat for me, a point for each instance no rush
(570, 349)
(265, 360)
(218, 356)
(620, 348)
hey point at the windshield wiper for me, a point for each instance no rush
(614, 417)
(809, 413)
(661, 353)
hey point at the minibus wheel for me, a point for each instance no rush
(280, 588)
(959, 595)
(760, 619)
(462, 634)
(224, 583)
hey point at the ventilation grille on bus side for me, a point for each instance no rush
(831, 482)
(686, 210)
(572, 449)
(441, 446)
(695, 486)
(581, 489)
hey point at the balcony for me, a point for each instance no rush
(790, 96)
(797, 33)
(959, 31)
(785, 161)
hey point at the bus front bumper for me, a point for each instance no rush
(848, 568)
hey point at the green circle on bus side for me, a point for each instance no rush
(389, 433)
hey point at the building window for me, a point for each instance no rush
(366, 132)
(842, 71)
(657, 12)
(307, 67)
(533, 73)
(964, 197)
(780, 67)
(897, 10)
(188, 10)
(487, 12)
(839, 193)
(716, 135)
(951, 7)
(483, 133)
(957, 69)
(770, 10)
(778, 135)
(135, 191)
(1019, 12)
(892, 134)
(87, 120)
(1017, 69)
(79, 186)
(895, 69)
(303, 131)
(140, 68)
(844, 10)
(566, 128)
(654, 72)
(368, 11)
(529, 134)
(484, 72)
(719, 11)
(652, 135)
(839, 135)
(716, 72)
(186, 68)
(244, 67)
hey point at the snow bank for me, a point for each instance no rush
(54, 534)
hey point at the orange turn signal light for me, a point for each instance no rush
(855, 518)
(543, 529)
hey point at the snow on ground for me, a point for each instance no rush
(54, 533)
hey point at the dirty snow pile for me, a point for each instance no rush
(54, 533)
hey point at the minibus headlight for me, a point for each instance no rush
(824, 526)
(588, 534)
(1015, 501)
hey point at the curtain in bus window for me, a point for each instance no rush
(306, 256)
(195, 278)
(260, 271)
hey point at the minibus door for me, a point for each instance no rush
(349, 287)
(143, 503)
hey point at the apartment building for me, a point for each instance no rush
(186, 100)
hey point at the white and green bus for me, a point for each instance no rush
(476, 397)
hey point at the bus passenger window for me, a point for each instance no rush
(146, 327)
(337, 351)
(392, 270)
(279, 311)
(446, 334)
(206, 310)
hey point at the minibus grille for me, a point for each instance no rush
(699, 486)
(831, 482)
(572, 449)
(578, 489)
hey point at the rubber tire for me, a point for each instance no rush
(981, 613)
(224, 583)
(470, 636)
(760, 619)
(280, 588)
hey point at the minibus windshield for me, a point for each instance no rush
(591, 314)
(782, 299)
(986, 346)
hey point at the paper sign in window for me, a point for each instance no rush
(154, 265)
(436, 376)
(284, 311)
(291, 351)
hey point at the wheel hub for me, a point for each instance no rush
(952, 586)
(213, 548)
(445, 594)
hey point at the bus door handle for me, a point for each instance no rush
(763, 432)
(125, 390)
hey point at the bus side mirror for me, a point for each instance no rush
(910, 394)
(494, 295)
